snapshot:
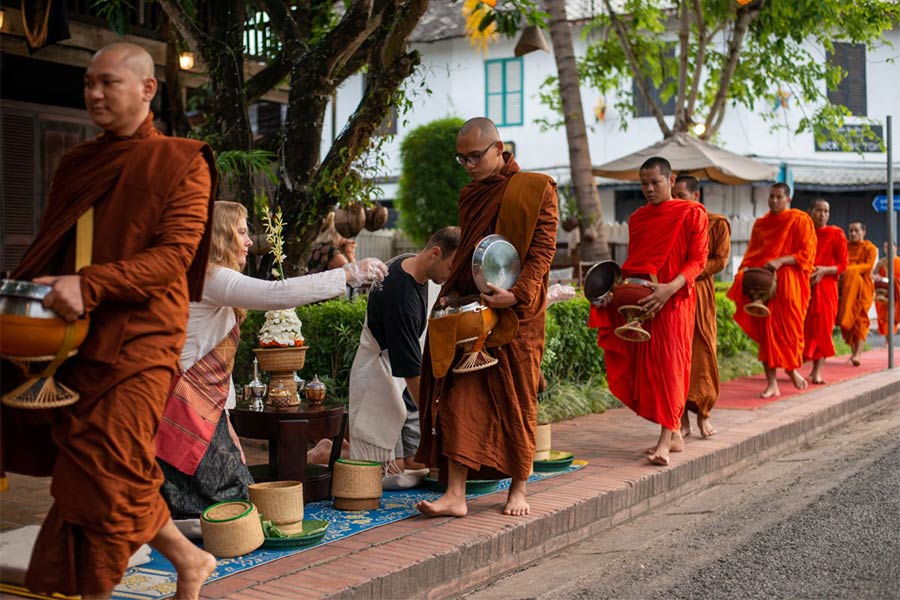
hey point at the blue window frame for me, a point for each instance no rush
(503, 85)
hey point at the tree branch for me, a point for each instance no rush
(698, 60)
(681, 120)
(280, 19)
(639, 77)
(268, 78)
(341, 43)
(186, 28)
(746, 16)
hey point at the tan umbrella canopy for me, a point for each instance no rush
(691, 156)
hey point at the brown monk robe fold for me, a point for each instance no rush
(516, 221)
(152, 197)
(704, 383)
(485, 419)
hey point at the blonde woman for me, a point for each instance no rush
(198, 451)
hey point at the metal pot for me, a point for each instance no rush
(495, 261)
(23, 298)
(600, 280)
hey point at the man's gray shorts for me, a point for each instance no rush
(409, 436)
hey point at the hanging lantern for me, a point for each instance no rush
(186, 61)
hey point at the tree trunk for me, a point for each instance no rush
(593, 230)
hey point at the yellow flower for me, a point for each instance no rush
(474, 11)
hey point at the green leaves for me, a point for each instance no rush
(430, 179)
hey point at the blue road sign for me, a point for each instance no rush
(880, 203)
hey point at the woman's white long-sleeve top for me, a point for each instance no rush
(225, 289)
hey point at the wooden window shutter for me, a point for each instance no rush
(19, 208)
(851, 91)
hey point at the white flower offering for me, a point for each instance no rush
(282, 329)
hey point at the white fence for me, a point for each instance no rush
(617, 237)
(383, 244)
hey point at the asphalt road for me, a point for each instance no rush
(822, 522)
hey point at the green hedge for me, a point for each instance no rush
(332, 330)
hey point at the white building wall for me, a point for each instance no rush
(455, 73)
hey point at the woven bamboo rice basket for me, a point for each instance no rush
(542, 442)
(278, 501)
(356, 484)
(231, 528)
(276, 360)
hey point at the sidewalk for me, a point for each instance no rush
(443, 557)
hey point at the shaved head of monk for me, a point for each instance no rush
(857, 231)
(118, 87)
(779, 198)
(479, 149)
(820, 212)
(657, 180)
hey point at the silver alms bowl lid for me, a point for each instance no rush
(24, 289)
(495, 261)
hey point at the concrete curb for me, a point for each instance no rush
(438, 558)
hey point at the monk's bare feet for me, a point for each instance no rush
(855, 361)
(445, 506)
(675, 445)
(705, 427)
(817, 380)
(320, 454)
(797, 380)
(686, 424)
(771, 391)
(659, 458)
(516, 505)
(193, 573)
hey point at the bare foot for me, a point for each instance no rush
(192, 574)
(676, 445)
(817, 380)
(705, 427)
(320, 454)
(854, 360)
(771, 391)
(660, 459)
(516, 505)
(445, 506)
(686, 424)
(797, 379)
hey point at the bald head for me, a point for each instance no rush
(134, 57)
(118, 87)
(483, 126)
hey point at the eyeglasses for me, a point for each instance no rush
(474, 158)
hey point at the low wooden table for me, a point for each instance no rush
(289, 432)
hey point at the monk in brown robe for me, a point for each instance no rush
(151, 198)
(857, 290)
(784, 241)
(483, 422)
(704, 387)
(831, 261)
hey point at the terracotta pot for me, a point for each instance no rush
(376, 217)
(569, 223)
(628, 294)
(349, 221)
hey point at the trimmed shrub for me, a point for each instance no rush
(430, 179)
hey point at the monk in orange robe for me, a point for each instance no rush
(857, 290)
(151, 197)
(831, 261)
(482, 423)
(668, 244)
(881, 308)
(783, 240)
(704, 385)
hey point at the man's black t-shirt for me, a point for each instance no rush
(396, 312)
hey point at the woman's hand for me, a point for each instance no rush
(365, 272)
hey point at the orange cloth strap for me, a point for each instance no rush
(519, 209)
(84, 239)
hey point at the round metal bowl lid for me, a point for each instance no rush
(496, 262)
(24, 289)
(601, 278)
